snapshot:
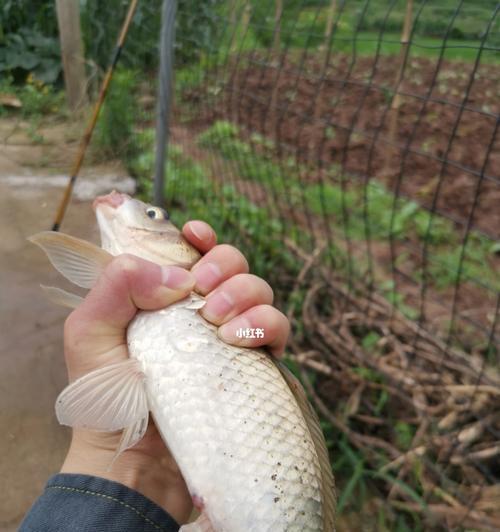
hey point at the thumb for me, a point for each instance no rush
(95, 333)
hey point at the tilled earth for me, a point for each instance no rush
(441, 148)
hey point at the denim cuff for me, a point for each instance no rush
(81, 503)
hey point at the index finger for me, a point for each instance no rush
(200, 235)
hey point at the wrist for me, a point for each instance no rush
(156, 477)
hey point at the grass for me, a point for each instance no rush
(365, 43)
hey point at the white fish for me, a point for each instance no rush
(237, 422)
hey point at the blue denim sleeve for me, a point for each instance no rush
(81, 503)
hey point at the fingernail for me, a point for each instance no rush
(176, 278)
(199, 230)
(207, 276)
(218, 306)
(234, 332)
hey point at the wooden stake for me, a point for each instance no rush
(68, 18)
(277, 26)
(396, 99)
(329, 23)
(245, 22)
(405, 42)
(324, 50)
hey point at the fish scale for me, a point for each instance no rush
(231, 422)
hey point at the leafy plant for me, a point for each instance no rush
(115, 127)
(36, 97)
(101, 23)
(28, 51)
(29, 40)
(198, 29)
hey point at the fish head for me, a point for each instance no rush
(128, 225)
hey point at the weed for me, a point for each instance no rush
(32, 133)
(114, 131)
(36, 97)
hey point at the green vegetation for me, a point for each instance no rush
(192, 194)
(28, 41)
(358, 30)
(114, 131)
(359, 212)
(36, 98)
(196, 24)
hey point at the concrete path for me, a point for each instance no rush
(32, 371)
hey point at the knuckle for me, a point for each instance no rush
(261, 288)
(249, 288)
(235, 255)
(125, 265)
(269, 292)
(123, 272)
(280, 322)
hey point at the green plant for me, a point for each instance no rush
(29, 41)
(357, 210)
(114, 133)
(36, 98)
(198, 29)
(101, 23)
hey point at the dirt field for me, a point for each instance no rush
(446, 149)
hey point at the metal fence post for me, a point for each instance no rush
(165, 90)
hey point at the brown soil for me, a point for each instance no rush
(443, 147)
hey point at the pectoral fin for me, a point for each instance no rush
(79, 261)
(61, 297)
(107, 399)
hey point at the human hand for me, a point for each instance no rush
(95, 336)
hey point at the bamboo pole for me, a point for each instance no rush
(87, 135)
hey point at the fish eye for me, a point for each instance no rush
(157, 213)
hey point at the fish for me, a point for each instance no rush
(238, 423)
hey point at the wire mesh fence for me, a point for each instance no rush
(351, 149)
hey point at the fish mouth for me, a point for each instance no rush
(113, 200)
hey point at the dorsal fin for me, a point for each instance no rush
(79, 261)
(312, 421)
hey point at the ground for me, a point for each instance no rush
(32, 370)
